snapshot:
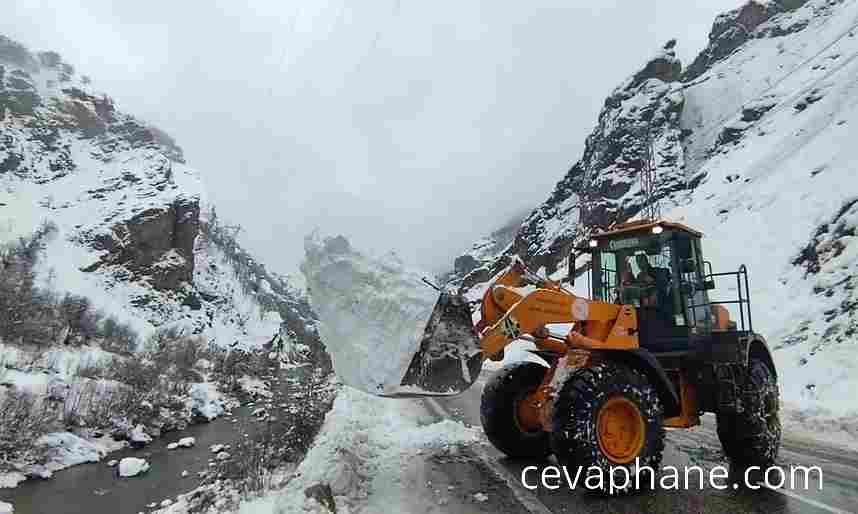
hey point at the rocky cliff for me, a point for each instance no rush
(135, 233)
(646, 123)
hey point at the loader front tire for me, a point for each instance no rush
(499, 411)
(753, 437)
(608, 416)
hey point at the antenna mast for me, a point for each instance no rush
(652, 206)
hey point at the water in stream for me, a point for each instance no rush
(96, 489)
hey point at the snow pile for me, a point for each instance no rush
(64, 449)
(132, 466)
(373, 311)
(11, 479)
(186, 442)
(6, 508)
(205, 400)
(371, 452)
(255, 387)
(61, 360)
(139, 437)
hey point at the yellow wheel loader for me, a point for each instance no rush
(647, 350)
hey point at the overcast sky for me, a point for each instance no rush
(407, 125)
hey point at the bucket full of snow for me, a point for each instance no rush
(388, 333)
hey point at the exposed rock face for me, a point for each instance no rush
(474, 265)
(639, 117)
(732, 29)
(643, 120)
(130, 232)
(829, 259)
(59, 133)
(464, 264)
(157, 242)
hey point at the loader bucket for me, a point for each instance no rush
(448, 360)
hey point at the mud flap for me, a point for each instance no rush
(449, 358)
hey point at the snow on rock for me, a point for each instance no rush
(187, 442)
(11, 479)
(139, 437)
(172, 446)
(373, 311)
(206, 401)
(64, 449)
(112, 462)
(371, 452)
(131, 217)
(255, 387)
(6, 508)
(217, 448)
(132, 466)
(781, 198)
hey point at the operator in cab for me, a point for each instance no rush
(644, 286)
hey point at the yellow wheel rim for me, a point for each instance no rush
(621, 430)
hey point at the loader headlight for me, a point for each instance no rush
(657, 229)
(593, 243)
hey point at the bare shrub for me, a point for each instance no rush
(281, 441)
(310, 397)
(251, 460)
(23, 419)
(175, 353)
(94, 368)
(81, 396)
(138, 373)
(117, 337)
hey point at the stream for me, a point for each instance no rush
(95, 488)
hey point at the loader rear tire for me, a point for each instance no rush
(608, 416)
(753, 437)
(499, 411)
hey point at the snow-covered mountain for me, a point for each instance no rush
(754, 144)
(482, 254)
(134, 231)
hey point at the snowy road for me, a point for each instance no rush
(698, 447)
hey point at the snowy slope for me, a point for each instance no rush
(762, 159)
(780, 191)
(134, 233)
(373, 452)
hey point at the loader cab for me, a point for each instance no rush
(658, 268)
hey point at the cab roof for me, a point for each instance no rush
(644, 226)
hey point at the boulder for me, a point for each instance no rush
(322, 493)
(138, 437)
(132, 466)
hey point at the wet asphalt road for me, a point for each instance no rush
(485, 467)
